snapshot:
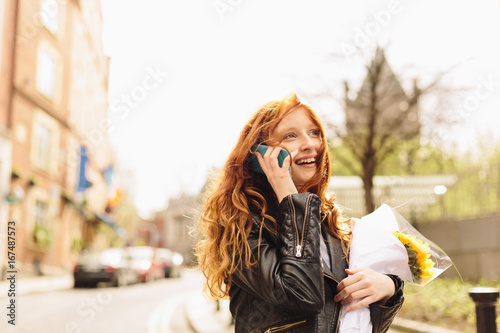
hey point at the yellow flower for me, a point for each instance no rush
(418, 257)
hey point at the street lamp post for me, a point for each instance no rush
(485, 300)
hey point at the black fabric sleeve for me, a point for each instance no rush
(382, 316)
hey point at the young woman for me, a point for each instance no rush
(275, 243)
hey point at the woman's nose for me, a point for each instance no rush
(307, 143)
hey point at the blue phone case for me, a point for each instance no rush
(262, 150)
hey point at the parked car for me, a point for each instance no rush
(170, 261)
(145, 263)
(111, 265)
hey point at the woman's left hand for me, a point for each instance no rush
(364, 284)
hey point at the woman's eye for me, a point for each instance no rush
(315, 132)
(289, 136)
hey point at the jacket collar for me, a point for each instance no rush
(338, 262)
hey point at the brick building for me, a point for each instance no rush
(5, 132)
(53, 107)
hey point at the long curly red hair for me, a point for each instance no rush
(224, 222)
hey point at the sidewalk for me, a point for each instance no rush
(411, 326)
(35, 284)
(204, 317)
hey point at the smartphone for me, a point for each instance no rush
(262, 150)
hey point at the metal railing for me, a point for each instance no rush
(469, 193)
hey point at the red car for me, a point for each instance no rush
(170, 261)
(144, 262)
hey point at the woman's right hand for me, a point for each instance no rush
(365, 284)
(279, 177)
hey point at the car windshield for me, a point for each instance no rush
(164, 254)
(110, 257)
(141, 253)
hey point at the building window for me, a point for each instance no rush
(49, 15)
(45, 142)
(41, 229)
(46, 74)
(43, 147)
(40, 213)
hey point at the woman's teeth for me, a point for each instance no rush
(306, 161)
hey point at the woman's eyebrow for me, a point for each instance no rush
(295, 129)
(289, 128)
(286, 129)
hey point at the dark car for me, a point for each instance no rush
(110, 266)
(170, 261)
(144, 262)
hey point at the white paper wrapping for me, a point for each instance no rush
(374, 246)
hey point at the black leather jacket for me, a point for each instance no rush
(292, 289)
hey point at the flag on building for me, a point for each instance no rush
(83, 182)
(115, 193)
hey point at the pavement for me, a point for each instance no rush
(411, 326)
(203, 315)
(206, 316)
(34, 284)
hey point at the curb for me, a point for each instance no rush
(411, 326)
(203, 316)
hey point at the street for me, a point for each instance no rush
(152, 307)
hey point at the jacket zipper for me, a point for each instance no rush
(300, 238)
(341, 306)
(331, 278)
(284, 327)
(338, 318)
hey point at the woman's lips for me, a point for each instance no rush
(309, 165)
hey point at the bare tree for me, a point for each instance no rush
(377, 120)
(380, 119)
(382, 115)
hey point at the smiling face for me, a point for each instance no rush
(297, 131)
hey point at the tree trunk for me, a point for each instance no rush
(369, 172)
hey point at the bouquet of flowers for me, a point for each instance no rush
(419, 262)
(385, 242)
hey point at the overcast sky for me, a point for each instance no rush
(186, 75)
